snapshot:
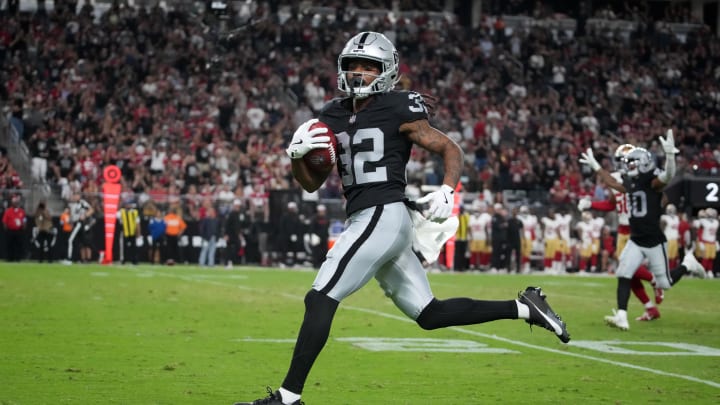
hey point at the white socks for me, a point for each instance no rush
(523, 310)
(288, 397)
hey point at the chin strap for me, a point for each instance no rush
(355, 82)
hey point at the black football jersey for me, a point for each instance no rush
(372, 154)
(645, 206)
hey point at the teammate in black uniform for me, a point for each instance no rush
(643, 183)
(376, 128)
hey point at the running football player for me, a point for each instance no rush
(376, 128)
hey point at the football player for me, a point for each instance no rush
(550, 237)
(376, 128)
(670, 223)
(707, 242)
(479, 235)
(531, 228)
(643, 185)
(619, 202)
(598, 224)
(584, 229)
(563, 256)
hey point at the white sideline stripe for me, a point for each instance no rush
(471, 332)
(547, 349)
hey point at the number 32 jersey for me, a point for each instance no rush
(372, 152)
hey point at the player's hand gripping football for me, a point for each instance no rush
(441, 203)
(304, 140)
(668, 143)
(587, 158)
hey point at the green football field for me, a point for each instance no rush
(90, 334)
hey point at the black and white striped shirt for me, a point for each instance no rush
(78, 209)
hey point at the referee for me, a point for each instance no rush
(80, 211)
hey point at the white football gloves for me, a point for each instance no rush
(441, 203)
(304, 140)
(584, 204)
(668, 143)
(588, 159)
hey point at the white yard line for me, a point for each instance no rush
(543, 348)
(202, 278)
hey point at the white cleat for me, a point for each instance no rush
(693, 266)
(617, 321)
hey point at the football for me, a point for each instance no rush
(322, 159)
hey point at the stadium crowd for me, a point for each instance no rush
(198, 116)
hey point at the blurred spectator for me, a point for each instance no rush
(289, 237)
(177, 109)
(129, 221)
(174, 228)
(13, 220)
(41, 146)
(236, 222)
(499, 237)
(462, 236)
(44, 233)
(514, 242)
(157, 229)
(319, 233)
(209, 230)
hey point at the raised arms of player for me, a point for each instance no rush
(588, 159)
(659, 182)
(668, 145)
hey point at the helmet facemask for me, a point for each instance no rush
(374, 47)
(639, 160)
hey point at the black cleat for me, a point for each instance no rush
(273, 398)
(541, 313)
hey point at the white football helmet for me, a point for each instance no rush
(711, 213)
(620, 154)
(376, 47)
(639, 160)
(670, 209)
(587, 216)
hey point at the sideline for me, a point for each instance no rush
(201, 278)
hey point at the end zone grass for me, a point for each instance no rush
(88, 334)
